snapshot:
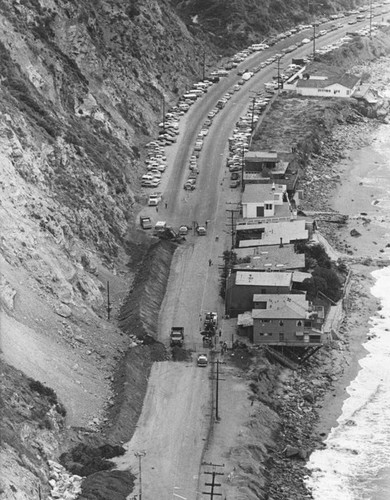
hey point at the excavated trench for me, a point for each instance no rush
(139, 317)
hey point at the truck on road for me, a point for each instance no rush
(146, 222)
(177, 336)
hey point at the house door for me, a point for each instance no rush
(259, 211)
(281, 337)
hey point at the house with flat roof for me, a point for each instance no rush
(286, 319)
(271, 258)
(265, 200)
(270, 231)
(242, 285)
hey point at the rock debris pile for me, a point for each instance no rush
(64, 486)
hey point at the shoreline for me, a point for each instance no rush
(355, 326)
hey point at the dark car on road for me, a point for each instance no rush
(234, 176)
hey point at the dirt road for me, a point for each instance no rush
(172, 430)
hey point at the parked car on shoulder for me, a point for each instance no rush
(234, 184)
(189, 185)
(154, 199)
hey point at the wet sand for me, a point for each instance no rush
(364, 182)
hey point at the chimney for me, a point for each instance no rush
(281, 243)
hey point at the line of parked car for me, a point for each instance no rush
(169, 128)
(240, 139)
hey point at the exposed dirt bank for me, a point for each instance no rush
(138, 319)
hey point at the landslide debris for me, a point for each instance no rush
(31, 424)
(246, 21)
(82, 87)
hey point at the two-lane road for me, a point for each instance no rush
(175, 421)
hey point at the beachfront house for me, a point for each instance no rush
(269, 231)
(287, 320)
(270, 166)
(324, 86)
(242, 285)
(265, 200)
(270, 258)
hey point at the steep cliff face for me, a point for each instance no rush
(236, 23)
(82, 85)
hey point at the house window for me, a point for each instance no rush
(266, 321)
(281, 323)
(299, 323)
(307, 324)
(299, 334)
(265, 334)
(268, 206)
(281, 337)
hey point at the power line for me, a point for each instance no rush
(139, 455)
(212, 493)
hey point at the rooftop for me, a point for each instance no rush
(263, 279)
(348, 81)
(287, 306)
(279, 169)
(261, 156)
(271, 258)
(256, 193)
(288, 232)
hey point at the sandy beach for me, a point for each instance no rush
(356, 196)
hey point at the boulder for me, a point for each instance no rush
(63, 310)
(354, 233)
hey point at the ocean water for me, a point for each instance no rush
(356, 462)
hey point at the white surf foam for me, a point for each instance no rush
(358, 449)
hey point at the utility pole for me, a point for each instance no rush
(139, 455)
(212, 493)
(279, 83)
(163, 112)
(242, 168)
(314, 39)
(232, 212)
(108, 301)
(217, 393)
(370, 17)
(217, 379)
(253, 113)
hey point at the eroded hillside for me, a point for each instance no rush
(81, 90)
(241, 22)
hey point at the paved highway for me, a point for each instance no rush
(174, 426)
